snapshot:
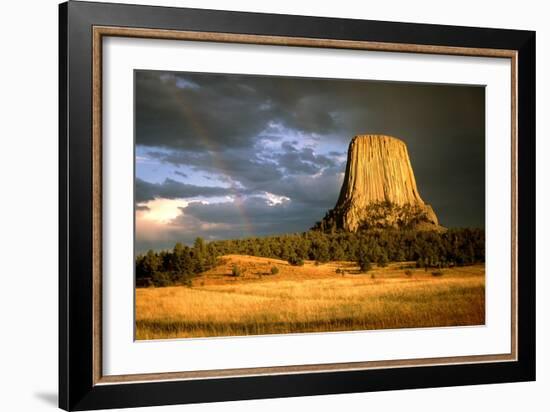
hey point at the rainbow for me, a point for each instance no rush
(202, 134)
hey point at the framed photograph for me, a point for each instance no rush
(256, 205)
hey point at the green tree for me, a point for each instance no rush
(181, 259)
(382, 260)
(364, 263)
(199, 245)
(161, 279)
(320, 250)
(337, 252)
(151, 263)
(198, 255)
(400, 255)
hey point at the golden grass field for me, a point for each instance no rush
(309, 298)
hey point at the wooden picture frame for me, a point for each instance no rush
(82, 385)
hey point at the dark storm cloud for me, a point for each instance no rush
(315, 191)
(301, 161)
(336, 154)
(172, 189)
(222, 111)
(181, 173)
(253, 208)
(231, 111)
(243, 165)
(303, 173)
(252, 212)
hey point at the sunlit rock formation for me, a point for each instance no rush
(379, 189)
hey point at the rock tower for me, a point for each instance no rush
(379, 189)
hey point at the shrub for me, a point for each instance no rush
(274, 270)
(408, 272)
(236, 271)
(437, 273)
(296, 261)
(339, 271)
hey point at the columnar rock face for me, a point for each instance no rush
(379, 189)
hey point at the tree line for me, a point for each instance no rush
(454, 247)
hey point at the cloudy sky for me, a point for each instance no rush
(229, 156)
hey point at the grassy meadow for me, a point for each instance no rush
(309, 298)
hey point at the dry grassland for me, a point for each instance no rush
(309, 298)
